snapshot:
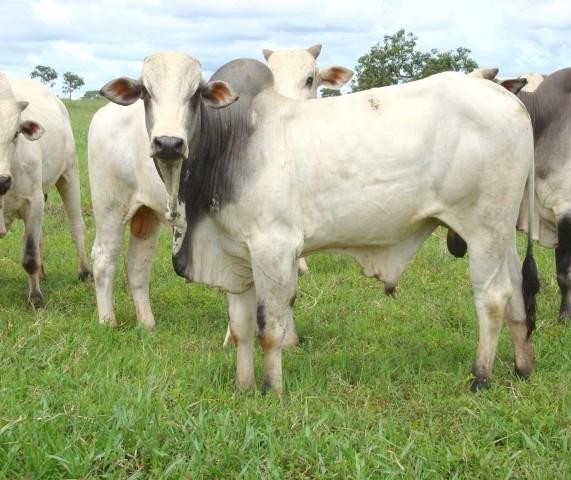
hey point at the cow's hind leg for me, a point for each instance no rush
(145, 229)
(242, 327)
(490, 273)
(563, 264)
(68, 188)
(108, 236)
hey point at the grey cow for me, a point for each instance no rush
(549, 107)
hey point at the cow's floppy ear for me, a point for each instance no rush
(123, 91)
(267, 53)
(514, 85)
(217, 94)
(315, 50)
(335, 77)
(31, 130)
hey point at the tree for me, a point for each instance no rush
(330, 92)
(398, 60)
(71, 82)
(46, 75)
(91, 95)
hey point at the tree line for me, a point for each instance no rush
(396, 60)
(48, 76)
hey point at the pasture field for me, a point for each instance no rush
(378, 389)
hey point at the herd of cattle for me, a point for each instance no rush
(251, 175)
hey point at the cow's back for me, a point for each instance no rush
(57, 144)
(412, 151)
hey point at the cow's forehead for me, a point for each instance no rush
(170, 68)
(298, 58)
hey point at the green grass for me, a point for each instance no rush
(379, 388)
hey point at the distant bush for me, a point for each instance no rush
(91, 95)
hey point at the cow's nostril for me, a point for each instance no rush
(177, 144)
(5, 183)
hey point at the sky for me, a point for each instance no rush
(101, 40)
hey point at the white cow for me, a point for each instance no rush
(29, 169)
(533, 81)
(126, 188)
(371, 175)
(296, 75)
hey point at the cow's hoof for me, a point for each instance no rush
(523, 373)
(37, 300)
(267, 388)
(479, 383)
(291, 341)
(109, 322)
(84, 274)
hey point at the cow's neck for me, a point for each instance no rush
(208, 178)
(542, 109)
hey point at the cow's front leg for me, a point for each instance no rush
(32, 214)
(275, 277)
(241, 328)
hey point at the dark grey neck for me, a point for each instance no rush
(530, 100)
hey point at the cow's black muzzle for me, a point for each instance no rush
(168, 148)
(5, 183)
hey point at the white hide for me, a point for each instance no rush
(123, 179)
(297, 76)
(41, 164)
(292, 69)
(59, 161)
(370, 175)
(366, 156)
(533, 81)
(20, 159)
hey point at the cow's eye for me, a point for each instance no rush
(144, 93)
(16, 134)
(309, 81)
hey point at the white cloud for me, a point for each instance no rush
(51, 12)
(100, 40)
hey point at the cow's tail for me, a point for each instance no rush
(530, 284)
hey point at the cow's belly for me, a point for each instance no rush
(374, 214)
